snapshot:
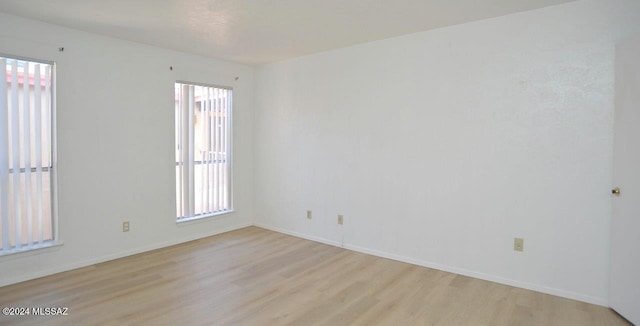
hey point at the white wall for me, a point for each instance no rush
(440, 147)
(115, 145)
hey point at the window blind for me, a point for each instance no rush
(26, 167)
(203, 150)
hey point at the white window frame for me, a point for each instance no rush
(53, 169)
(185, 175)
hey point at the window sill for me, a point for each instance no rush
(33, 250)
(204, 217)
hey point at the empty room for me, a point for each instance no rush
(319, 162)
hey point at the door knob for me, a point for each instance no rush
(616, 191)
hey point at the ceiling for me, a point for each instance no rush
(261, 31)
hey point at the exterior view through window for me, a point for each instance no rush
(203, 150)
(26, 160)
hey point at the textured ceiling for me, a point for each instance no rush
(261, 31)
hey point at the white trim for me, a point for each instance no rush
(201, 217)
(219, 138)
(89, 262)
(183, 82)
(451, 269)
(34, 249)
(456, 270)
(49, 133)
(53, 170)
(21, 58)
(231, 136)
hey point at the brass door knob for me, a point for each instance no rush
(616, 191)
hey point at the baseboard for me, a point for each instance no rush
(93, 261)
(299, 235)
(450, 269)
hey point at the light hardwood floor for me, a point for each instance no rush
(257, 277)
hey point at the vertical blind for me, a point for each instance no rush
(25, 154)
(203, 150)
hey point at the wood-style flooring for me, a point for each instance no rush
(257, 277)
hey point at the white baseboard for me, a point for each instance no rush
(93, 261)
(461, 271)
(451, 269)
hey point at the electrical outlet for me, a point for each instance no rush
(340, 219)
(309, 214)
(518, 244)
(125, 226)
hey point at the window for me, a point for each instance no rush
(203, 150)
(26, 159)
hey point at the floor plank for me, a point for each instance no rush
(257, 277)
